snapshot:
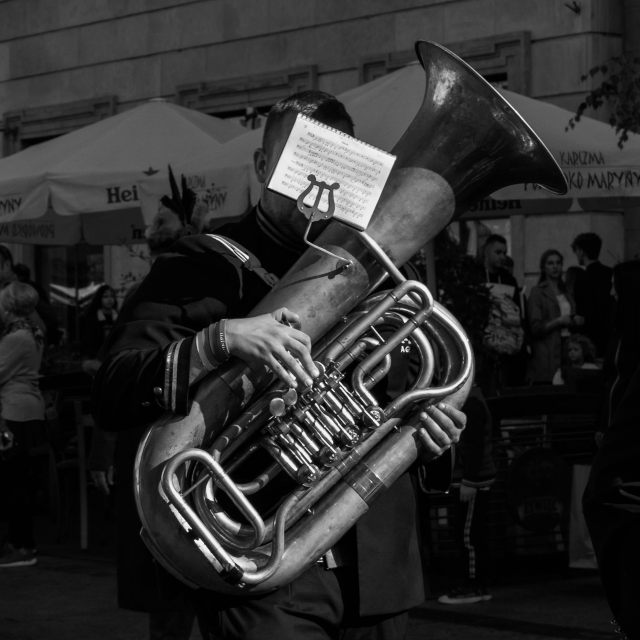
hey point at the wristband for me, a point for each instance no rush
(222, 333)
(214, 343)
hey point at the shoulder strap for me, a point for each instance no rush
(236, 253)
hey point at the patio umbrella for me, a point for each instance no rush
(83, 185)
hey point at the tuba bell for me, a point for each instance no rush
(208, 516)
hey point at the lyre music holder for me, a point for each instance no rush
(314, 212)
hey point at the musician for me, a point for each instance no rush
(378, 575)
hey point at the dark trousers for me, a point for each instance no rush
(319, 605)
(471, 538)
(17, 483)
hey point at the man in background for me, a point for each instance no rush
(504, 332)
(593, 292)
(495, 260)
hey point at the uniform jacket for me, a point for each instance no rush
(186, 290)
(474, 465)
(542, 307)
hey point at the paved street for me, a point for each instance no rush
(74, 599)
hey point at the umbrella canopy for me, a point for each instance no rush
(382, 111)
(83, 185)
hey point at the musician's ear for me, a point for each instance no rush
(260, 164)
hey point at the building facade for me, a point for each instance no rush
(69, 63)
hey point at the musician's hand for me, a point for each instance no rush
(267, 341)
(441, 427)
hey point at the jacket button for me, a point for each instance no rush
(146, 404)
(157, 391)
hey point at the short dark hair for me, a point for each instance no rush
(590, 243)
(314, 104)
(494, 238)
(5, 256)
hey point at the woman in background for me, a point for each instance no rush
(551, 312)
(99, 320)
(21, 347)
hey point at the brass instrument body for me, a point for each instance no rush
(465, 143)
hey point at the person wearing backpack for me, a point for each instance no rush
(552, 317)
(504, 333)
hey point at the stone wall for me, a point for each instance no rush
(53, 53)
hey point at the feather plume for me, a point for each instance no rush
(180, 203)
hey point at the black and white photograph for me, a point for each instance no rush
(320, 319)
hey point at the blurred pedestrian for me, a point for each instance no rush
(473, 475)
(8, 275)
(593, 292)
(623, 354)
(495, 258)
(612, 509)
(21, 345)
(551, 313)
(580, 354)
(99, 320)
(43, 308)
(504, 333)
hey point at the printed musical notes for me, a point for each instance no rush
(332, 156)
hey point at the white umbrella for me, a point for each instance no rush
(83, 185)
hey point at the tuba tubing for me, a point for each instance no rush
(465, 142)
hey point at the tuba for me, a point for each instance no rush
(205, 483)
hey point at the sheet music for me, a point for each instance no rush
(332, 156)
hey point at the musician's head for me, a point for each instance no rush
(314, 104)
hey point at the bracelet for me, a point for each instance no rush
(222, 334)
